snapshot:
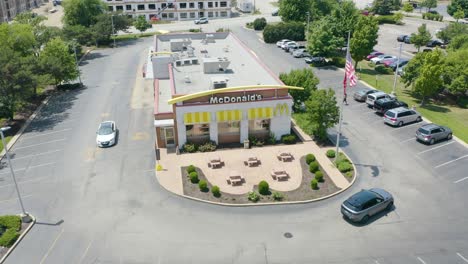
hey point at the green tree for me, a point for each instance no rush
(294, 10)
(82, 34)
(398, 17)
(102, 29)
(459, 14)
(451, 31)
(455, 5)
(141, 24)
(322, 112)
(57, 61)
(429, 81)
(428, 4)
(412, 69)
(304, 78)
(407, 7)
(82, 12)
(455, 74)
(421, 38)
(323, 39)
(321, 8)
(364, 38)
(382, 7)
(344, 17)
(459, 42)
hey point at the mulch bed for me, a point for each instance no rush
(303, 193)
(24, 226)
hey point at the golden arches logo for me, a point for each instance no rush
(281, 109)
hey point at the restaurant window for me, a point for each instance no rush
(196, 132)
(231, 127)
(259, 127)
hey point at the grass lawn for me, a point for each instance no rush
(7, 139)
(135, 36)
(441, 113)
(300, 119)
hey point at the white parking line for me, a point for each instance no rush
(57, 140)
(405, 126)
(253, 53)
(420, 259)
(35, 155)
(30, 167)
(460, 180)
(406, 140)
(51, 247)
(427, 150)
(448, 162)
(462, 257)
(45, 134)
(33, 180)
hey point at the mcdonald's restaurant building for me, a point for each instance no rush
(212, 87)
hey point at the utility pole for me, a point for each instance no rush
(308, 21)
(396, 70)
(25, 217)
(76, 62)
(113, 29)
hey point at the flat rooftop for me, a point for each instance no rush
(216, 49)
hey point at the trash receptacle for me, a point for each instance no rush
(246, 144)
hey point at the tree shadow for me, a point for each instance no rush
(91, 56)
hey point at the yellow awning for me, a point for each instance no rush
(281, 109)
(197, 118)
(260, 113)
(229, 115)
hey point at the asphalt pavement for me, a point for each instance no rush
(105, 205)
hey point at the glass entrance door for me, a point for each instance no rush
(169, 135)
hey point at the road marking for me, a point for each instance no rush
(436, 147)
(105, 115)
(406, 140)
(86, 251)
(22, 196)
(448, 162)
(51, 247)
(462, 257)
(35, 155)
(420, 259)
(43, 143)
(253, 53)
(462, 179)
(395, 129)
(33, 180)
(45, 134)
(35, 166)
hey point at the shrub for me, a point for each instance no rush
(191, 169)
(253, 196)
(263, 188)
(190, 147)
(249, 25)
(215, 190)
(345, 166)
(383, 70)
(387, 19)
(203, 185)
(349, 174)
(288, 139)
(194, 30)
(338, 62)
(271, 138)
(193, 177)
(310, 158)
(282, 30)
(314, 184)
(278, 196)
(9, 237)
(11, 221)
(207, 146)
(313, 166)
(319, 176)
(259, 23)
(331, 153)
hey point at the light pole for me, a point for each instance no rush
(24, 216)
(396, 70)
(308, 21)
(76, 62)
(113, 30)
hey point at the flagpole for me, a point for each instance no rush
(341, 108)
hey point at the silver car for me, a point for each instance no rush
(106, 134)
(361, 95)
(364, 204)
(401, 116)
(371, 98)
(431, 133)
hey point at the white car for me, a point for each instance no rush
(380, 58)
(202, 20)
(106, 134)
(287, 43)
(281, 42)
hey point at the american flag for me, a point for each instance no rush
(350, 73)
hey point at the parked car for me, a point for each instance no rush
(294, 48)
(106, 134)
(275, 12)
(281, 42)
(52, 10)
(401, 116)
(434, 43)
(431, 133)
(312, 59)
(380, 58)
(201, 20)
(407, 39)
(374, 54)
(361, 94)
(300, 53)
(371, 98)
(288, 45)
(383, 105)
(285, 43)
(387, 62)
(401, 63)
(362, 205)
(401, 38)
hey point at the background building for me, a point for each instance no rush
(10, 8)
(172, 10)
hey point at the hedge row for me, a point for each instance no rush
(431, 16)
(12, 224)
(291, 30)
(204, 147)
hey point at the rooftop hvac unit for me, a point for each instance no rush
(219, 82)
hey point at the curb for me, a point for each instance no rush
(18, 240)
